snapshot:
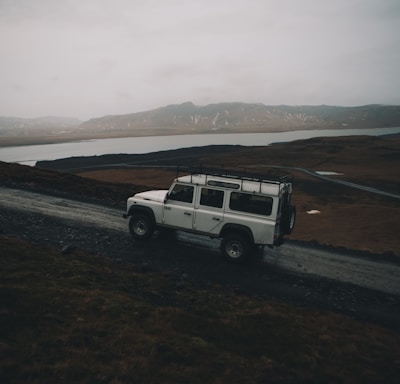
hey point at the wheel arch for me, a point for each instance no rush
(142, 209)
(237, 228)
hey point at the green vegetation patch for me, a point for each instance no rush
(88, 319)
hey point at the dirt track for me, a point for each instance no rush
(329, 278)
(381, 276)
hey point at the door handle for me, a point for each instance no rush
(167, 208)
(187, 214)
(216, 218)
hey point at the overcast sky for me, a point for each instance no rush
(90, 58)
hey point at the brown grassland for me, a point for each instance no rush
(83, 318)
(349, 217)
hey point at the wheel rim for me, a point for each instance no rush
(234, 249)
(140, 227)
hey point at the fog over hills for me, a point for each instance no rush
(187, 118)
(18, 126)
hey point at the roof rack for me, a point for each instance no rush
(235, 173)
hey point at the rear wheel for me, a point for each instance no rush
(141, 226)
(289, 220)
(235, 247)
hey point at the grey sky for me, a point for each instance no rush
(90, 58)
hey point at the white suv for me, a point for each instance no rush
(243, 210)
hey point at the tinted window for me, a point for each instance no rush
(182, 192)
(245, 202)
(212, 197)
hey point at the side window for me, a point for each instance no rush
(182, 192)
(245, 202)
(212, 197)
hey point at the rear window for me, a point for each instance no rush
(246, 202)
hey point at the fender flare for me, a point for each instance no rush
(140, 208)
(229, 228)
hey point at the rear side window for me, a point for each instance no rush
(246, 202)
(212, 197)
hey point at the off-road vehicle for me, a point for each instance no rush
(242, 209)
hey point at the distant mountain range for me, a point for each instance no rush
(241, 117)
(188, 118)
(18, 126)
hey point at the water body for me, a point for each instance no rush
(30, 154)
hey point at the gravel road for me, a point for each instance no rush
(338, 280)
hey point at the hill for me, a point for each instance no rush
(18, 126)
(187, 118)
(241, 117)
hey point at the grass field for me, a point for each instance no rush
(86, 319)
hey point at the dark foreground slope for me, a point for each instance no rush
(88, 318)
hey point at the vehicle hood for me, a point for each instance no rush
(158, 195)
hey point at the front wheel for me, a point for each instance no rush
(235, 247)
(141, 226)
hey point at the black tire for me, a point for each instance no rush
(289, 220)
(235, 247)
(141, 226)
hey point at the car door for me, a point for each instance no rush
(209, 213)
(178, 207)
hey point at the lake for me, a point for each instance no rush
(30, 154)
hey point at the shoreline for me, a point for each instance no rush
(18, 141)
(149, 159)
